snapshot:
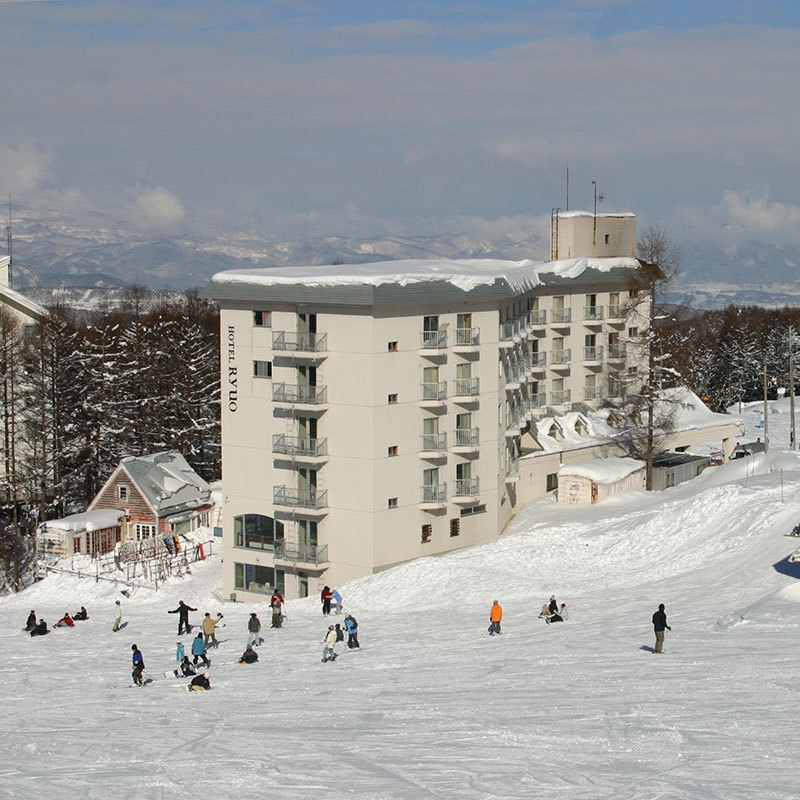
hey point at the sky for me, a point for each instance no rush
(306, 118)
(430, 707)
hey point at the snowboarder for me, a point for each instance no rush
(351, 626)
(199, 650)
(40, 629)
(183, 620)
(118, 616)
(209, 628)
(495, 617)
(276, 604)
(249, 656)
(326, 596)
(561, 616)
(138, 666)
(328, 653)
(659, 624)
(337, 599)
(82, 614)
(201, 683)
(65, 621)
(254, 629)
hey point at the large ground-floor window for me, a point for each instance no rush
(255, 578)
(256, 531)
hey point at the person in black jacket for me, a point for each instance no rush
(31, 623)
(659, 624)
(183, 619)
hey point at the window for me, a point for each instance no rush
(552, 481)
(256, 531)
(392, 502)
(262, 319)
(262, 369)
(144, 531)
(427, 532)
(255, 578)
(391, 450)
(633, 333)
(391, 399)
(480, 509)
(392, 347)
(607, 238)
(455, 527)
(123, 492)
(430, 324)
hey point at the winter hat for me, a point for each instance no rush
(207, 614)
(117, 602)
(133, 647)
(330, 627)
(552, 597)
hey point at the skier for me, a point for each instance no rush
(118, 617)
(183, 620)
(561, 616)
(138, 666)
(276, 604)
(254, 628)
(65, 621)
(200, 684)
(31, 623)
(659, 623)
(328, 653)
(352, 632)
(495, 616)
(337, 598)
(82, 614)
(40, 629)
(326, 596)
(209, 628)
(199, 650)
(249, 656)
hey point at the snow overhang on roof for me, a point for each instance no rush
(603, 470)
(87, 521)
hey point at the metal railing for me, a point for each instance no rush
(538, 360)
(617, 351)
(299, 498)
(593, 312)
(470, 337)
(307, 553)
(560, 396)
(466, 487)
(436, 390)
(299, 446)
(536, 317)
(468, 387)
(561, 315)
(299, 393)
(561, 356)
(466, 437)
(433, 442)
(593, 353)
(511, 328)
(433, 340)
(538, 400)
(305, 342)
(594, 392)
(433, 493)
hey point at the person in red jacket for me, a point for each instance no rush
(276, 604)
(65, 621)
(326, 597)
(495, 616)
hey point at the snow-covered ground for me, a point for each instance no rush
(431, 706)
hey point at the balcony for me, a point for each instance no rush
(592, 353)
(466, 440)
(312, 499)
(468, 388)
(299, 446)
(538, 361)
(615, 311)
(467, 340)
(433, 496)
(560, 397)
(467, 490)
(511, 330)
(296, 553)
(538, 400)
(433, 340)
(617, 352)
(311, 344)
(512, 471)
(594, 392)
(536, 318)
(561, 316)
(432, 443)
(299, 394)
(560, 358)
(593, 313)
(433, 394)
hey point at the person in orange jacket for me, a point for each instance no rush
(495, 617)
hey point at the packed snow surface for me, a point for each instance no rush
(431, 706)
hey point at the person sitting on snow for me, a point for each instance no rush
(31, 623)
(186, 668)
(249, 656)
(561, 616)
(65, 621)
(40, 629)
(200, 683)
(82, 614)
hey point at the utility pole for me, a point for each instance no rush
(766, 415)
(791, 389)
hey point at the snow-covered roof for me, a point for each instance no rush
(20, 304)
(167, 480)
(465, 274)
(87, 521)
(598, 215)
(603, 470)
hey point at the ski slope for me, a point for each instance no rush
(432, 707)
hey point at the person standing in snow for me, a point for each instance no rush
(118, 616)
(254, 630)
(276, 604)
(199, 650)
(326, 596)
(495, 617)
(351, 626)
(328, 653)
(210, 627)
(337, 599)
(138, 666)
(180, 652)
(659, 624)
(183, 620)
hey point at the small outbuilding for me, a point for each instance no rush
(93, 532)
(592, 481)
(670, 469)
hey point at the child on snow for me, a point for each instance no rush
(199, 650)
(328, 653)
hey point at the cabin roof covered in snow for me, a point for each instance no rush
(604, 470)
(382, 282)
(87, 521)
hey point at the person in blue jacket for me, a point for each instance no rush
(352, 631)
(180, 652)
(199, 650)
(138, 666)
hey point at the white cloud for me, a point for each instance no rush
(23, 169)
(158, 209)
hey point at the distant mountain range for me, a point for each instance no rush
(51, 252)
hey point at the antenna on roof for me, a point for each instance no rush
(567, 206)
(8, 240)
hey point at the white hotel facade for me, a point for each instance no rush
(376, 413)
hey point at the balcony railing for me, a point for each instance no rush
(466, 437)
(436, 390)
(536, 317)
(433, 442)
(433, 340)
(296, 552)
(614, 311)
(299, 446)
(467, 487)
(469, 387)
(593, 312)
(560, 396)
(512, 468)
(560, 315)
(538, 400)
(510, 329)
(300, 498)
(433, 493)
(290, 342)
(468, 337)
(617, 351)
(299, 393)
(538, 360)
(594, 392)
(593, 353)
(561, 356)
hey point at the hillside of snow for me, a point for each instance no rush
(431, 706)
